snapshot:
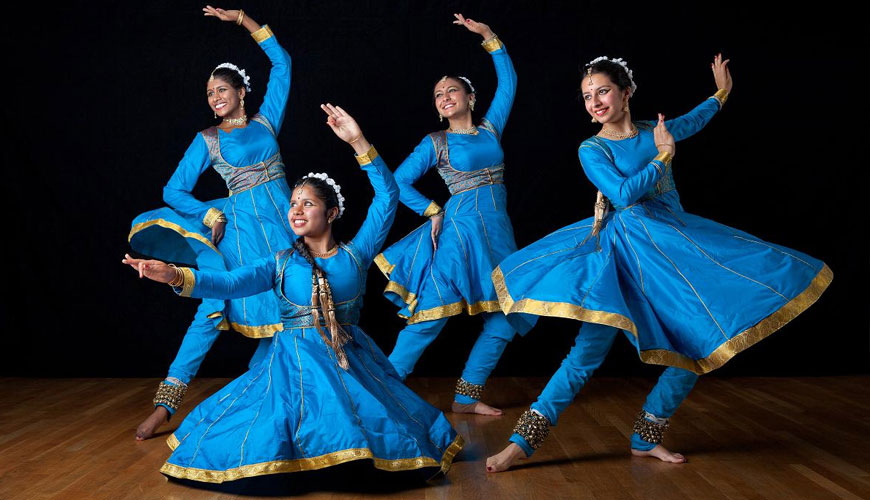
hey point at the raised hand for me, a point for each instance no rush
(344, 126)
(721, 73)
(663, 138)
(474, 26)
(223, 15)
(151, 269)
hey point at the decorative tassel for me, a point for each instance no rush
(321, 294)
(601, 210)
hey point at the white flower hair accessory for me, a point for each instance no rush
(245, 78)
(620, 62)
(334, 185)
(466, 80)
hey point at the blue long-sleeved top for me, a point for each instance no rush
(291, 277)
(241, 147)
(467, 152)
(626, 170)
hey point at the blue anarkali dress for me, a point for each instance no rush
(256, 209)
(297, 409)
(690, 292)
(430, 286)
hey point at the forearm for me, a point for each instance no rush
(241, 282)
(374, 230)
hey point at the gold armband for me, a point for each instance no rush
(367, 157)
(262, 34)
(432, 209)
(665, 158)
(492, 44)
(213, 215)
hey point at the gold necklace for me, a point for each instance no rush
(616, 135)
(329, 253)
(237, 122)
(466, 131)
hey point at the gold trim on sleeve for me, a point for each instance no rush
(314, 463)
(492, 44)
(213, 215)
(189, 281)
(432, 209)
(262, 34)
(721, 95)
(665, 158)
(367, 157)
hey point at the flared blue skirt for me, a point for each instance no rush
(691, 293)
(256, 227)
(476, 235)
(298, 410)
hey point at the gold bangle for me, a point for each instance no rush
(357, 138)
(241, 17)
(178, 280)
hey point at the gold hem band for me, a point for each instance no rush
(716, 359)
(384, 265)
(314, 463)
(173, 226)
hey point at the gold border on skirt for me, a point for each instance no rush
(314, 463)
(716, 359)
(173, 226)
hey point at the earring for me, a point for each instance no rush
(440, 117)
(215, 114)
(625, 108)
(243, 103)
(594, 120)
(471, 105)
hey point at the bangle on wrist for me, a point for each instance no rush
(241, 17)
(357, 138)
(178, 280)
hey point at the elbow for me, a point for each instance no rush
(169, 195)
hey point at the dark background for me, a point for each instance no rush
(103, 98)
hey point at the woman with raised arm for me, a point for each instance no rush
(443, 268)
(229, 232)
(689, 293)
(324, 393)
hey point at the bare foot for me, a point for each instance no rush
(506, 459)
(147, 428)
(478, 407)
(662, 454)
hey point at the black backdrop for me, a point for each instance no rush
(103, 98)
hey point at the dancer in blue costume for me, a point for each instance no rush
(689, 293)
(434, 275)
(229, 232)
(324, 393)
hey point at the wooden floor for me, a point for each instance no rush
(745, 438)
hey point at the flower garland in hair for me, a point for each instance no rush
(245, 78)
(334, 185)
(466, 80)
(620, 61)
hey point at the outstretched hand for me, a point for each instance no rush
(151, 269)
(474, 26)
(223, 15)
(344, 126)
(663, 138)
(721, 73)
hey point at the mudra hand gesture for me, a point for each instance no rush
(474, 26)
(721, 73)
(344, 126)
(663, 138)
(223, 15)
(160, 272)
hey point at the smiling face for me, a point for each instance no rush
(223, 99)
(604, 99)
(308, 213)
(451, 97)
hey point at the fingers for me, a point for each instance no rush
(343, 112)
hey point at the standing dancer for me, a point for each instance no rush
(323, 394)
(692, 293)
(229, 232)
(434, 275)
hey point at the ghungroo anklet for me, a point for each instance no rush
(466, 388)
(533, 427)
(649, 427)
(170, 395)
